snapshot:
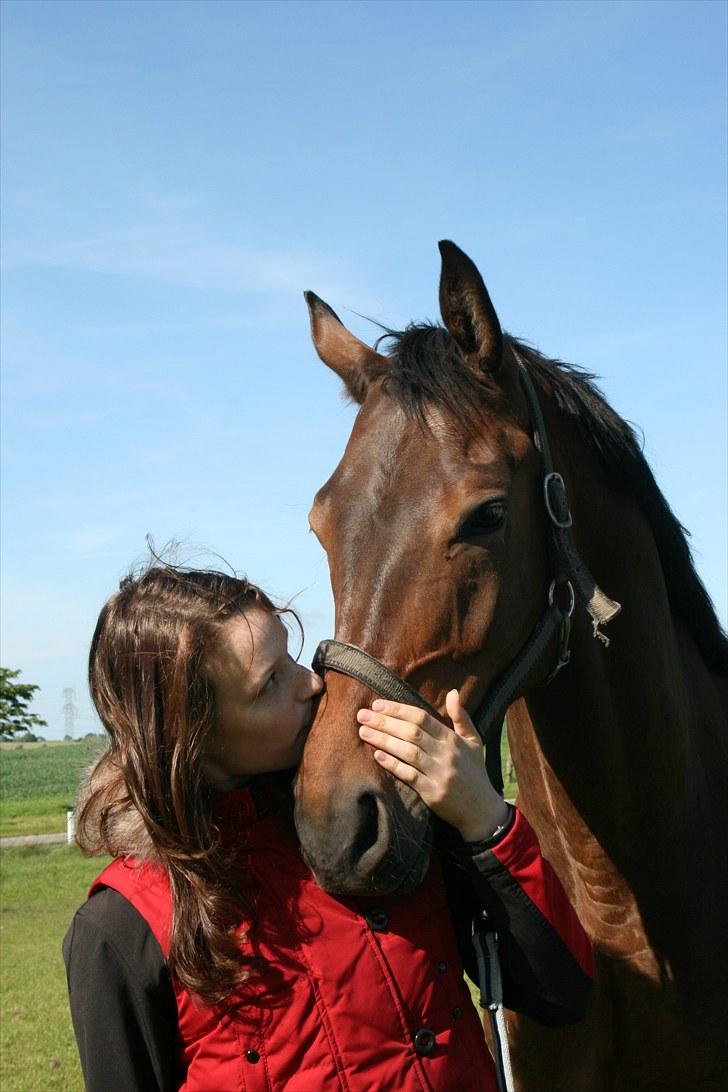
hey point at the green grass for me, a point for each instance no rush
(40, 888)
(38, 783)
(510, 784)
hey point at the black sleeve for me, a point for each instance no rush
(542, 978)
(122, 1003)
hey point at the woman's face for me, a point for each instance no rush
(263, 700)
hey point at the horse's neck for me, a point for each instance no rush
(624, 754)
(650, 696)
(625, 785)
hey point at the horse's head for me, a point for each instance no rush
(433, 529)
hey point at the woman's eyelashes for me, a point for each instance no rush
(275, 676)
(269, 684)
(266, 686)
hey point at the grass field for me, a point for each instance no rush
(38, 783)
(40, 888)
(510, 784)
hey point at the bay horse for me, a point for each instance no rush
(437, 538)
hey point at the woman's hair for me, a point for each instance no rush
(147, 793)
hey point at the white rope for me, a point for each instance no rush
(503, 1070)
(501, 1031)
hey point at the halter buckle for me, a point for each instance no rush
(557, 503)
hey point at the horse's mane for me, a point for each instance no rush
(427, 368)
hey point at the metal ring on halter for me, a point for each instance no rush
(564, 630)
(572, 597)
(564, 521)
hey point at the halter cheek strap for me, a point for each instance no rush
(567, 565)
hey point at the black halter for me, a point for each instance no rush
(570, 578)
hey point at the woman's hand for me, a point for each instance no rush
(445, 767)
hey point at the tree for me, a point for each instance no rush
(14, 700)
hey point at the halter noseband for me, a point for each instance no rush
(570, 578)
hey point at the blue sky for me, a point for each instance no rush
(175, 174)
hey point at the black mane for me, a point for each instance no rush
(427, 368)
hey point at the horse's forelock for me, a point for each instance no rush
(426, 368)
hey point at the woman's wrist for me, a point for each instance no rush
(482, 836)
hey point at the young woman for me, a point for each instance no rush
(206, 957)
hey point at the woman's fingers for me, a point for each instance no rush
(460, 717)
(407, 743)
(409, 722)
(404, 721)
(401, 770)
(409, 714)
(412, 735)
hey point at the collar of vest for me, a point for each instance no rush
(237, 806)
(266, 796)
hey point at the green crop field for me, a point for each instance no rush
(39, 782)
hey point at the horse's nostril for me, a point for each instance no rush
(367, 833)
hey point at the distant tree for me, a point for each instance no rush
(14, 700)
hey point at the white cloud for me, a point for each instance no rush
(181, 253)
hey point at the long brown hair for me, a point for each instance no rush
(149, 686)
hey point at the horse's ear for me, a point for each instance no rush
(351, 359)
(467, 311)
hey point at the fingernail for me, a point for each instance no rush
(363, 716)
(364, 732)
(377, 705)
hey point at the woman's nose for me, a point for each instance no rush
(316, 682)
(313, 684)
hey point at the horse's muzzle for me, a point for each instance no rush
(371, 845)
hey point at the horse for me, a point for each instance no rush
(439, 527)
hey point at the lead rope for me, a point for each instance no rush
(485, 942)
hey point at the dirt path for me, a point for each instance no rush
(32, 840)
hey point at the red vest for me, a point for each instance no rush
(358, 996)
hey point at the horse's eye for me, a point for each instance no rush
(484, 520)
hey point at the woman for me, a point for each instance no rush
(206, 957)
